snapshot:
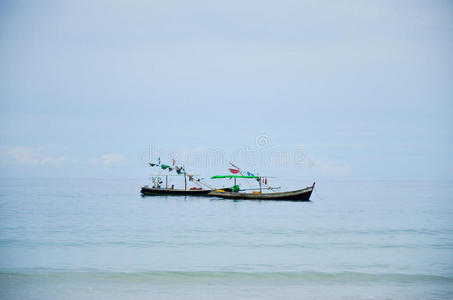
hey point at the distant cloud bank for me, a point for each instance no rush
(28, 156)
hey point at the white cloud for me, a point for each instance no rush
(28, 156)
(108, 159)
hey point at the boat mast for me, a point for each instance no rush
(185, 181)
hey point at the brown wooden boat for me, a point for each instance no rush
(158, 189)
(228, 193)
(297, 195)
(235, 193)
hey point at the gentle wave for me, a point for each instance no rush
(160, 243)
(210, 276)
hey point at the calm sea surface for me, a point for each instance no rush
(99, 239)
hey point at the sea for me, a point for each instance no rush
(100, 239)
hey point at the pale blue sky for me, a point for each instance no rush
(364, 89)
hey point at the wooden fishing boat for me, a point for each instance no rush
(227, 193)
(158, 188)
(297, 195)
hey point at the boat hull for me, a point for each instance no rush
(298, 195)
(148, 191)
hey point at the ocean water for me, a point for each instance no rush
(99, 239)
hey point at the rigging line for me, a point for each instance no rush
(206, 185)
(316, 192)
(249, 184)
(197, 183)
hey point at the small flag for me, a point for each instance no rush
(173, 162)
(158, 160)
(234, 171)
(178, 170)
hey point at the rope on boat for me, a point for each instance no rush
(318, 195)
(206, 185)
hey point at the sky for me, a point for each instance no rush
(337, 90)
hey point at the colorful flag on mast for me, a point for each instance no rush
(234, 171)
